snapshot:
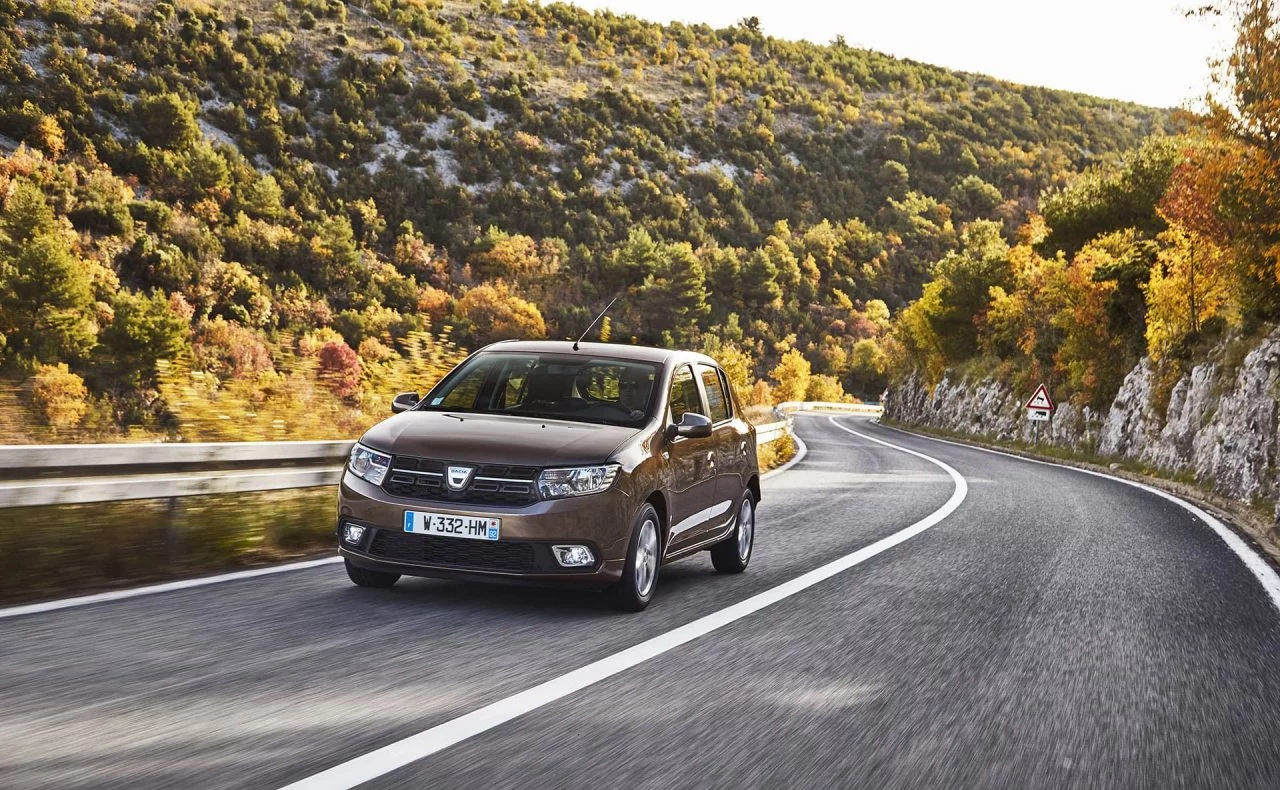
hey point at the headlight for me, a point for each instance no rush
(369, 464)
(558, 483)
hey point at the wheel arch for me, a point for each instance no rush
(659, 502)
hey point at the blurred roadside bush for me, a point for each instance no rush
(47, 551)
(775, 454)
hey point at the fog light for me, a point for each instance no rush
(573, 556)
(352, 533)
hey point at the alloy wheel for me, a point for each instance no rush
(746, 527)
(646, 557)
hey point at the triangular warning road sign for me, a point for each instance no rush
(1040, 400)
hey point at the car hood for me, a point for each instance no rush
(496, 439)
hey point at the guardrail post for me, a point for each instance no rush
(174, 532)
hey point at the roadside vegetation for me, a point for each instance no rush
(776, 453)
(46, 551)
(1163, 254)
(242, 219)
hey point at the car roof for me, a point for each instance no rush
(615, 350)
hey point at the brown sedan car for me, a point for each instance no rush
(533, 461)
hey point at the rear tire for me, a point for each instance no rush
(634, 590)
(732, 554)
(369, 578)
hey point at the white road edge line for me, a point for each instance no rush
(1261, 569)
(186, 584)
(396, 755)
(801, 451)
(152, 589)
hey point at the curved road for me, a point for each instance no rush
(1055, 630)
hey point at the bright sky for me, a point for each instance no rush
(1141, 50)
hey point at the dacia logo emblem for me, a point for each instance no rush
(459, 477)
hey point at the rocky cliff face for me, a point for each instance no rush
(1220, 424)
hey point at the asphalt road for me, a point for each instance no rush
(1055, 630)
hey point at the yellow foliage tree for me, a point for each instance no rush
(1189, 285)
(737, 363)
(498, 314)
(792, 375)
(59, 396)
(826, 389)
(1089, 354)
(761, 394)
(913, 343)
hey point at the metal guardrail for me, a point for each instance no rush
(791, 407)
(65, 474)
(72, 456)
(767, 434)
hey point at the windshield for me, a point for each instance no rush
(553, 386)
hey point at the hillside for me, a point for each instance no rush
(1146, 297)
(206, 199)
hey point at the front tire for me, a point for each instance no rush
(732, 554)
(634, 590)
(370, 578)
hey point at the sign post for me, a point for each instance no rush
(1039, 409)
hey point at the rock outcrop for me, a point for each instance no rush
(1220, 425)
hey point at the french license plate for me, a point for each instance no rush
(474, 527)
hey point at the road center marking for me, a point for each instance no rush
(408, 750)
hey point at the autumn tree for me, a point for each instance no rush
(825, 389)
(339, 368)
(791, 375)
(1193, 258)
(737, 364)
(59, 396)
(499, 255)
(493, 312)
(1188, 286)
(868, 365)
(1245, 109)
(1249, 108)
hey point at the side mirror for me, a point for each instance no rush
(691, 426)
(404, 402)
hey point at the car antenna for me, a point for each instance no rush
(593, 323)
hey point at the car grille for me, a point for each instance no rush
(493, 555)
(492, 484)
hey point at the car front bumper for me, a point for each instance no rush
(522, 553)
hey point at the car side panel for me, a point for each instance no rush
(693, 488)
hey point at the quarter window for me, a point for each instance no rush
(717, 400)
(684, 394)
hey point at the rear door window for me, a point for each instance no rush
(684, 394)
(717, 399)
